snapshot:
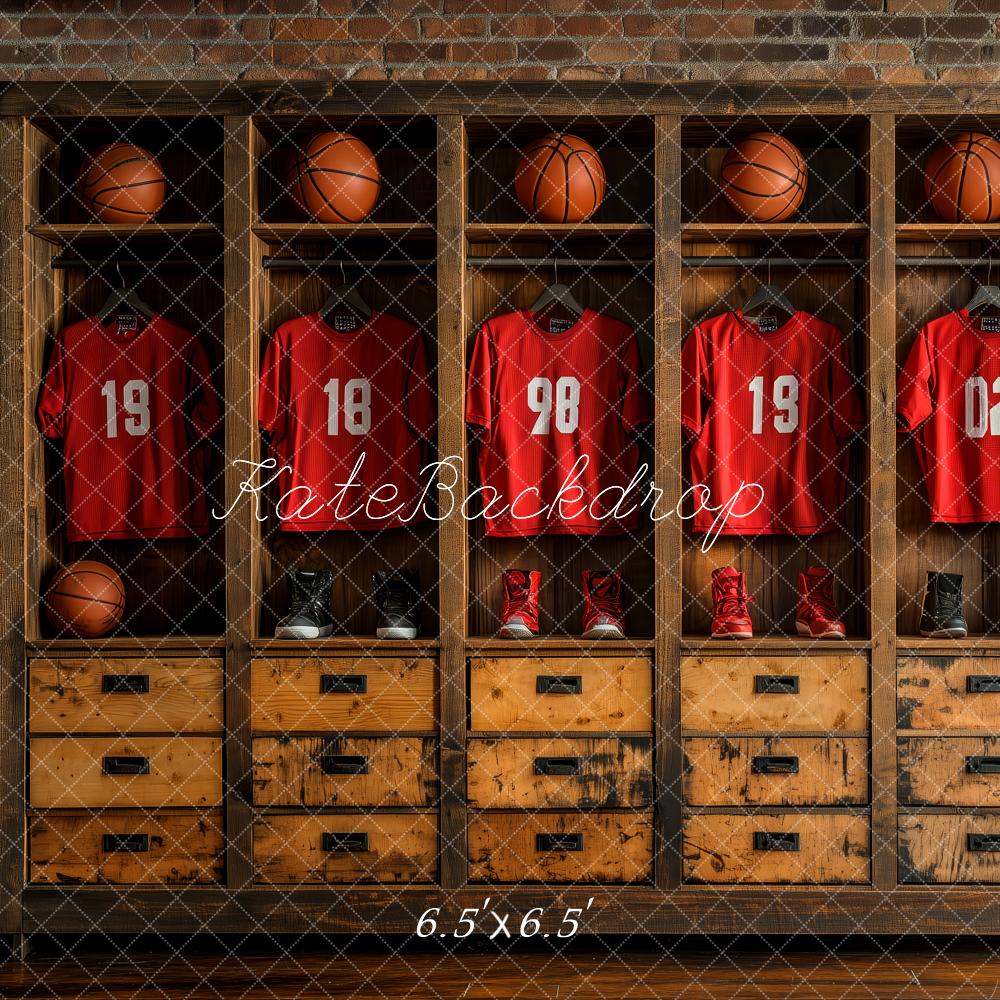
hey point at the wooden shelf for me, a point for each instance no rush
(970, 644)
(144, 645)
(772, 643)
(64, 233)
(557, 644)
(486, 232)
(284, 232)
(345, 643)
(705, 232)
(943, 232)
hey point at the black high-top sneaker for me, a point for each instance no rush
(396, 594)
(309, 607)
(941, 612)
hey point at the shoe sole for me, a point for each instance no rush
(303, 632)
(732, 635)
(945, 633)
(604, 632)
(516, 632)
(806, 631)
(396, 633)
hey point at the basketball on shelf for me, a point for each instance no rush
(122, 183)
(962, 178)
(764, 177)
(334, 177)
(85, 599)
(560, 179)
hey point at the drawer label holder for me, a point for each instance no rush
(982, 684)
(764, 840)
(982, 765)
(126, 765)
(125, 684)
(343, 764)
(776, 684)
(343, 843)
(561, 684)
(549, 842)
(983, 843)
(125, 843)
(775, 765)
(558, 766)
(343, 684)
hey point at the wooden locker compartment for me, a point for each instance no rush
(948, 692)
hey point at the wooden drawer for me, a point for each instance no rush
(811, 847)
(344, 693)
(346, 848)
(557, 773)
(565, 694)
(774, 694)
(608, 847)
(775, 770)
(139, 695)
(344, 771)
(948, 692)
(65, 772)
(126, 846)
(949, 770)
(949, 848)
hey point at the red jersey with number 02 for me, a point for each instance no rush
(543, 400)
(131, 408)
(948, 394)
(329, 396)
(774, 409)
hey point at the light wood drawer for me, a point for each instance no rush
(775, 770)
(949, 770)
(65, 772)
(344, 693)
(565, 694)
(139, 695)
(949, 848)
(612, 847)
(558, 773)
(346, 848)
(180, 847)
(811, 848)
(948, 692)
(344, 771)
(774, 694)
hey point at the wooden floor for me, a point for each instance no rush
(584, 971)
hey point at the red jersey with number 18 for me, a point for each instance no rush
(545, 397)
(772, 410)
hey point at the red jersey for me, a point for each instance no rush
(772, 410)
(544, 401)
(331, 398)
(949, 394)
(131, 408)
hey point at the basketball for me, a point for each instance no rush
(560, 179)
(962, 178)
(334, 177)
(764, 177)
(123, 183)
(86, 598)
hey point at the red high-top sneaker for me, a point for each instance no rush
(519, 614)
(815, 613)
(603, 617)
(730, 615)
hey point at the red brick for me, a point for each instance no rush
(336, 7)
(191, 27)
(368, 73)
(957, 27)
(292, 54)
(858, 51)
(970, 74)
(310, 29)
(675, 4)
(535, 26)
(232, 54)
(585, 73)
(905, 74)
(159, 53)
(37, 27)
(592, 26)
(459, 73)
(87, 54)
(9, 28)
(381, 28)
(452, 27)
(481, 52)
(619, 52)
(256, 29)
(156, 8)
(666, 52)
(650, 26)
(103, 27)
(917, 6)
(528, 71)
(766, 5)
(555, 50)
(894, 53)
(718, 26)
(405, 52)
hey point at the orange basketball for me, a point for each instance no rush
(86, 599)
(764, 177)
(962, 178)
(560, 179)
(123, 183)
(333, 177)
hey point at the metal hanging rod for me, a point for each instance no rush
(63, 263)
(325, 263)
(948, 261)
(774, 261)
(602, 262)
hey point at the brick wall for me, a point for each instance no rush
(856, 41)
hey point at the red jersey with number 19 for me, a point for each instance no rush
(131, 408)
(772, 410)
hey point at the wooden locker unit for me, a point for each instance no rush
(701, 805)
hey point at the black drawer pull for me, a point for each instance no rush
(775, 765)
(984, 843)
(771, 684)
(343, 684)
(545, 842)
(765, 841)
(982, 765)
(345, 842)
(126, 843)
(126, 765)
(565, 684)
(343, 764)
(557, 765)
(982, 684)
(125, 684)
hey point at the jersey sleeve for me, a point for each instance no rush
(914, 387)
(479, 394)
(636, 405)
(694, 381)
(274, 375)
(421, 406)
(848, 413)
(51, 408)
(205, 406)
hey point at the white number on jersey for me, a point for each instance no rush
(356, 406)
(979, 415)
(135, 402)
(567, 404)
(784, 395)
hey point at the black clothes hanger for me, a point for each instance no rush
(344, 294)
(557, 294)
(123, 295)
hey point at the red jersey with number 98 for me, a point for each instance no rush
(545, 397)
(772, 410)
(948, 394)
(329, 396)
(131, 407)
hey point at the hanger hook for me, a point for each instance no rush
(121, 277)
(343, 273)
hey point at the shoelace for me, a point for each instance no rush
(821, 600)
(733, 601)
(395, 602)
(605, 604)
